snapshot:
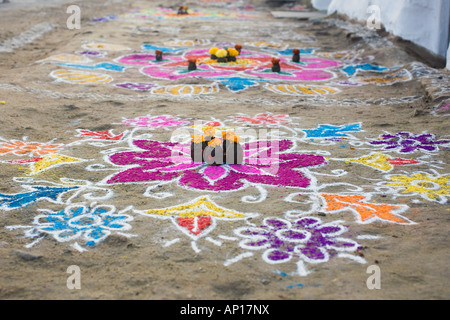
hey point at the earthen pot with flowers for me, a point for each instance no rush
(214, 151)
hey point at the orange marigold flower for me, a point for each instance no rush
(231, 136)
(197, 138)
(215, 143)
(209, 131)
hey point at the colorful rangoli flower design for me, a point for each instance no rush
(249, 68)
(265, 162)
(331, 131)
(158, 122)
(136, 86)
(198, 217)
(364, 210)
(51, 161)
(429, 187)
(23, 148)
(90, 226)
(34, 194)
(168, 13)
(406, 142)
(264, 119)
(306, 239)
(381, 161)
(100, 135)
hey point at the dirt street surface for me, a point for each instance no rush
(343, 188)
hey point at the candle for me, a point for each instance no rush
(208, 134)
(213, 154)
(192, 64)
(197, 148)
(276, 65)
(182, 10)
(295, 55)
(158, 55)
(232, 149)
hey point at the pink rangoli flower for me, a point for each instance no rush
(265, 162)
(264, 119)
(164, 122)
(249, 64)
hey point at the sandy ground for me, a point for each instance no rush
(406, 231)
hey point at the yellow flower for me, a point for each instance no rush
(233, 52)
(209, 131)
(429, 187)
(231, 136)
(215, 143)
(213, 50)
(197, 139)
(222, 53)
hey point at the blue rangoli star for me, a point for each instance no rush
(236, 84)
(330, 131)
(353, 69)
(14, 201)
(103, 65)
(303, 51)
(150, 47)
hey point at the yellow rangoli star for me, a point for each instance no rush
(201, 206)
(377, 160)
(197, 218)
(49, 161)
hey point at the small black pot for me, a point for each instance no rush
(213, 155)
(197, 152)
(234, 153)
(192, 66)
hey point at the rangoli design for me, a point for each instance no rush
(89, 226)
(249, 66)
(381, 161)
(85, 219)
(293, 162)
(430, 187)
(25, 148)
(166, 122)
(263, 119)
(406, 142)
(80, 77)
(306, 240)
(199, 217)
(168, 13)
(265, 162)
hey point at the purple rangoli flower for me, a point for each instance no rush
(265, 162)
(136, 86)
(405, 142)
(306, 239)
(92, 53)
